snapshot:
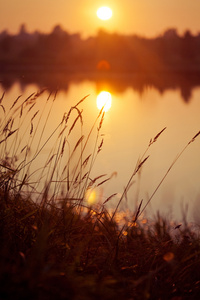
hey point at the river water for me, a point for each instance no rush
(134, 118)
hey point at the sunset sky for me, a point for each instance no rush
(144, 17)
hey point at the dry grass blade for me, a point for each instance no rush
(167, 172)
(84, 164)
(95, 179)
(10, 133)
(156, 137)
(21, 111)
(6, 167)
(81, 100)
(102, 182)
(35, 115)
(1, 99)
(15, 102)
(63, 146)
(38, 94)
(22, 183)
(141, 164)
(75, 121)
(100, 146)
(3, 108)
(62, 131)
(11, 124)
(50, 159)
(66, 118)
(49, 96)
(31, 106)
(68, 179)
(85, 175)
(193, 139)
(128, 185)
(55, 95)
(100, 112)
(31, 130)
(109, 198)
(138, 211)
(101, 122)
(76, 179)
(41, 148)
(28, 97)
(78, 143)
(178, 226)
(23, 148)
(7, 124)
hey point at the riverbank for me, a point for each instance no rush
(59, 253)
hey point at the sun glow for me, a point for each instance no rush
(104, 99)
(91, 196)
(104, 13)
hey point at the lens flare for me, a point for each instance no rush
(104, 100)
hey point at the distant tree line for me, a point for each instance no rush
(109, 52)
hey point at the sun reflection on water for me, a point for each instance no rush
(104, 99)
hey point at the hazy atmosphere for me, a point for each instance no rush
(99, 149)
(142, 17)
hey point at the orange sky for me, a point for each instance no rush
(144, 17)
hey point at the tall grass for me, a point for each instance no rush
(54, 243)
(66, 170)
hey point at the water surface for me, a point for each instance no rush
(134, 118)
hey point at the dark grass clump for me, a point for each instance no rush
(58, 253)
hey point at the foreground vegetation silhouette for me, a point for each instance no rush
(55, 245)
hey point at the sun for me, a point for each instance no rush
(104, 13)
(104, 100)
